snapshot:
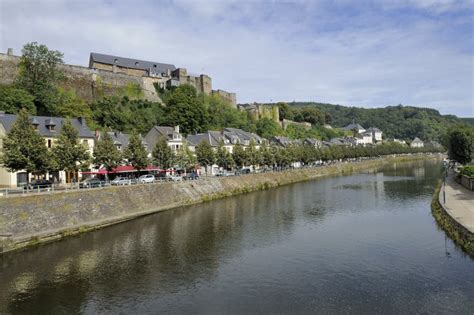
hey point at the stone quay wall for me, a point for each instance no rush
(33, 219)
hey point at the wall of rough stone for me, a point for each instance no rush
(89, 84)
(27, 220)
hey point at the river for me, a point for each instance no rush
(364, 243)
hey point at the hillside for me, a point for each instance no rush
(402, 122)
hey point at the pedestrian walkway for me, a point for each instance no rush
(458, 202)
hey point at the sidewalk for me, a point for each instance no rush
(459, 203)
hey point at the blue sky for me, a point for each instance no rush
(361, 53)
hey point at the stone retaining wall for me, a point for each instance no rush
(28, 220)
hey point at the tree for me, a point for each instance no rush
(205, 154)
(285, 111)
(460, 144)
(24, 148)
(268, 128)
(163, 156)
(268, 159)
(135, 153)
(68, 153)
(38, 73)
(68, 104)
(254, 157)
(186, 109)
(240, 156)
(223, 157)
(185, 158)
(13, 99)
(106, 153)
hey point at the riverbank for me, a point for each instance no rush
(453, 209)
(31, 220)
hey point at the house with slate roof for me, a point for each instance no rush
(172, 135)
(229, 137)
(417, 143)
(376, 134)
(49, 128)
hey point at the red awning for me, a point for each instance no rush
(128, 169)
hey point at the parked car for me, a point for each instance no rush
(39, 183)
(91, 183)
(148, 178)
(191, 176)
(175, 178)
(121, 181)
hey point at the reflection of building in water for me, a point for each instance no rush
(419, 172)
(379, 184)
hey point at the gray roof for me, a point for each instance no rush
(166, 131)
(79, 124)
(121, 139)
(312, 141)
(283, 141)
(353, 126)
(417, 140)
(228, 136)
(155, 67)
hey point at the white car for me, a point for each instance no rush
(148, 178)
(121, 181)
(175, 178)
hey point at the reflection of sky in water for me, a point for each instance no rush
(362, 243)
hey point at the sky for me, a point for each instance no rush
(367, 53)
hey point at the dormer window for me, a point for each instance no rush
(137, 64)
(115, 60)
(35, 123)
(50, 124)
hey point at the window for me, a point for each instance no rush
(115, 61)
(136, 64)
(51, 128)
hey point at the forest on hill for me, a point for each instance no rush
(401, 122)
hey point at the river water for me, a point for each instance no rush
(364, 243)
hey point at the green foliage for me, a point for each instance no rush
(186, 109)
(468, 171)
(23, 147)
(136, 153)
(461, 144)
(285, 111)
(240, 156)
(401, 122)
(204, 154)
(163, 156)
(106, 153)
(127, 115)
(185, 159)
(13, 99)
(222, 114)
(268, 128)
(223, 157)
(68, 104)
(68, 153)
(38, 73)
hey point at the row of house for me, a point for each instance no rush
(50, 127)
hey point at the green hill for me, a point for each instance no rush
(402, 122)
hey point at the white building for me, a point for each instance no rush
(376, 134)
(417, 143)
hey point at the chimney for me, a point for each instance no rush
(176, 129)
(10, 51)
(82, 121)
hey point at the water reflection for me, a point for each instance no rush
(363, 243)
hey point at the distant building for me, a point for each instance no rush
(282, 141)
(376, 134)
(313, 142)
(417, 143)
(228, 136)
(364, 138)
(49, 128)
(354, 127)
(120, 139)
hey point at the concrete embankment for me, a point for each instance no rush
(453, 209)
(34, 219)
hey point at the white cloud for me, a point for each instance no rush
(268, 51)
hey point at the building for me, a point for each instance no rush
(49, 128)
(376, 134)
(121, 140)
(417, 143)
(354, 127)
(313, 142)
(260, 111)
(282, 141)
(364, 138)
(171, 134)
(228, 136)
